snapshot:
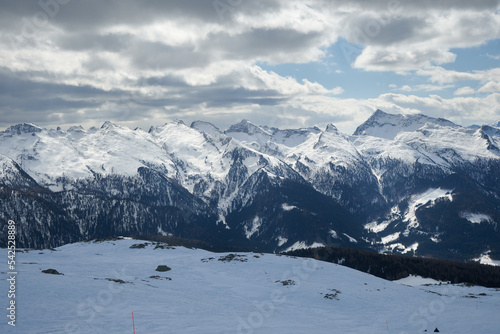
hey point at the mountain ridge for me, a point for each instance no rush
(236, 185)
(390, 125)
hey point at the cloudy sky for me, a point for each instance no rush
(283, 63)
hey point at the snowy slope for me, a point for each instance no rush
(12, 175)
(252, 293)
(407, 221)
(51, 154)
(327, 159)
(188, 155)
(309, 146)
(384, 125)
(431, 144)
(451, 145)
(412, 156)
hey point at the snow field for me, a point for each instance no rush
(246, 293)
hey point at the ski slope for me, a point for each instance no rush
(104, 282)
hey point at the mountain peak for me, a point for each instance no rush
(77, 129)
(331, 128)
(24, 128)
(379, 113)
(107, 125)
(384, 125)
(247, 127)
(489, 130)
(205, 127)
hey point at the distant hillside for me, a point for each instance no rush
(394, 267)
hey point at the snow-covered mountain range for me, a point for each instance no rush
(400, 183)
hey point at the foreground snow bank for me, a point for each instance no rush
(102, 283)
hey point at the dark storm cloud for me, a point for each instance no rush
(222, 93)
(148, 55)
(90, 15)
(420, 5)
(20, 85)
(219, 97)
(151, 55)
(376, 30)
(229, 96)
(164, 81)
(51, 102)
(96, 63)
(86, 41)
(262, 42)
(32, 101)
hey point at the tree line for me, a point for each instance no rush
(394, 267)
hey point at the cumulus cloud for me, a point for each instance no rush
(488, 80)
(70, 62)
(407, 35)
(422, 87)
(490, 86)
(440, 75)
(496, 57)
(462, 110)
(398, 59)
(466, 90)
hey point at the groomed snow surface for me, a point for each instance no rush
(104, 282)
